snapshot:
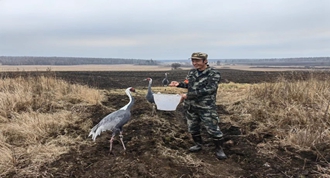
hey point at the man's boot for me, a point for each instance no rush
(198, 143)
(218, 142)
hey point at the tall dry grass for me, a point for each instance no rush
(296, 112)
(34, 113)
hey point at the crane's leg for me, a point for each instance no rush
(111, 140)
(153, 109)
(121, 139)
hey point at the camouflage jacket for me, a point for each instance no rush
(202, 88)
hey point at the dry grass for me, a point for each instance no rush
(295, 112)
(32, 113)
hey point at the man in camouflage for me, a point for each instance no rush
(199, 102)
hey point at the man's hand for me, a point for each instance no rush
(174, 84)
(183, 97)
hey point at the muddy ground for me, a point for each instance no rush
(157, 146)
(122, 79)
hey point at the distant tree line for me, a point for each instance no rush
(30, 60)
(283, 60)
(175, 65)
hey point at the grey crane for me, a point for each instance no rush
(150, 96)
(165, 81)
(115, 121)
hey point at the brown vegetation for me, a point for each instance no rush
(277, 128)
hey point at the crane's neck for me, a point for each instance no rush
(130, 103)
(166, 75)
(149, 87)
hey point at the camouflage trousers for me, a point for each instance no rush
(208, 118)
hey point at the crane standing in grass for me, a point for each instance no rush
(150, 96)
(165, 81)
(115, 121)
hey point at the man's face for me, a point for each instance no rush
(199, 64)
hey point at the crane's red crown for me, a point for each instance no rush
(132, 89)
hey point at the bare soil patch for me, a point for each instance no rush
(124, 79)
(131, 67)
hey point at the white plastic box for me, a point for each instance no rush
(167, 102)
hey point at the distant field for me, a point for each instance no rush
(129, 67)
(124, 67)
(271, 68)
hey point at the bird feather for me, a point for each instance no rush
(114, 120)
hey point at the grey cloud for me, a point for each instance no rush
(165, 29)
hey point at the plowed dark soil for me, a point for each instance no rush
(116, 79)
(157, 146)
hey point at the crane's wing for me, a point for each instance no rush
(114, 120)
(150, 96)
(165, 81)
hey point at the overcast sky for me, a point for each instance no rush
(165, 29)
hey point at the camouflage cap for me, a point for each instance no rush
(199, 55)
